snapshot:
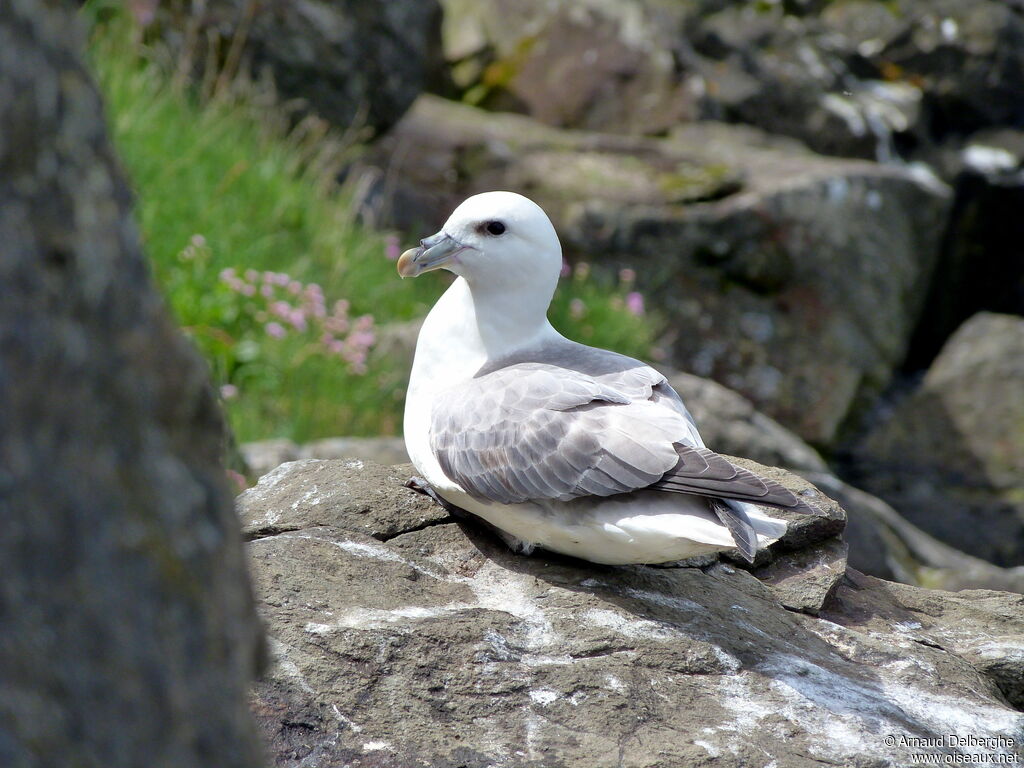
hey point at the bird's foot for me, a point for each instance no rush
(420, 485)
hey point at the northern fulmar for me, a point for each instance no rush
(556, 444)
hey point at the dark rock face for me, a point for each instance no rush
(402, 637)
(980, 266)
(750, 246)
(957, 444)
(856, 78)
(128, 631)
(354, 63)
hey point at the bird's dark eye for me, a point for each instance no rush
(494, 228)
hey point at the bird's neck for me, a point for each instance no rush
(472, 325)
(507, 317)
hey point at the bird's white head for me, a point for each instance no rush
(496, 241)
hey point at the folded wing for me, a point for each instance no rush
(535, 430)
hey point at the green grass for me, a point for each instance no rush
(223, 184)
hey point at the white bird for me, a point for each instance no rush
(558, 445)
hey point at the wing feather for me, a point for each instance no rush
(607, 424)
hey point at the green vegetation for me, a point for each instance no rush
(263, 263)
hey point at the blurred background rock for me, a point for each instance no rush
(810, 198)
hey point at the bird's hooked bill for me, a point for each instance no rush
(434, 252)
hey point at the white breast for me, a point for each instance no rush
(448, 352)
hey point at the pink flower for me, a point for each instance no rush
(627, 276)
(582, 270)
(267, 291)
(298, 319)
(252, 275)
(577, 308)
(294, 287)
(566, 269)
(275, 330)
(362, 339)
(336, 324)
(227, 275)
(635, 303)
(228, 391)
(392, 250)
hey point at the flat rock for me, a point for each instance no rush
(439, 647)
(264, 455)
(352, 494)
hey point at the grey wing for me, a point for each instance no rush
(538, 431)
(535, 430)
(703, 472)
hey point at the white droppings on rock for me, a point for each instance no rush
(906, 626)
(711, 749)
(496, 591)
(727, 660)
(544, 696)
(279, 652)
(614, 683)
(351, 725)
(953, 716)
(376, 746)
(309, 498)
(680, 604)
(541, 660)
(1009, 649)
(367, 618)
(630, 626)
(364, 549)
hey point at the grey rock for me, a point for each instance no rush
(808, 578)
(348, 493)
(882, 543)
(803, 530)
(856, 78)
(745, 243)
(129, 634)
(265, 455)
(598, 64)
(957, 444)
(357, 64)
(439, 647)
(729, 423)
